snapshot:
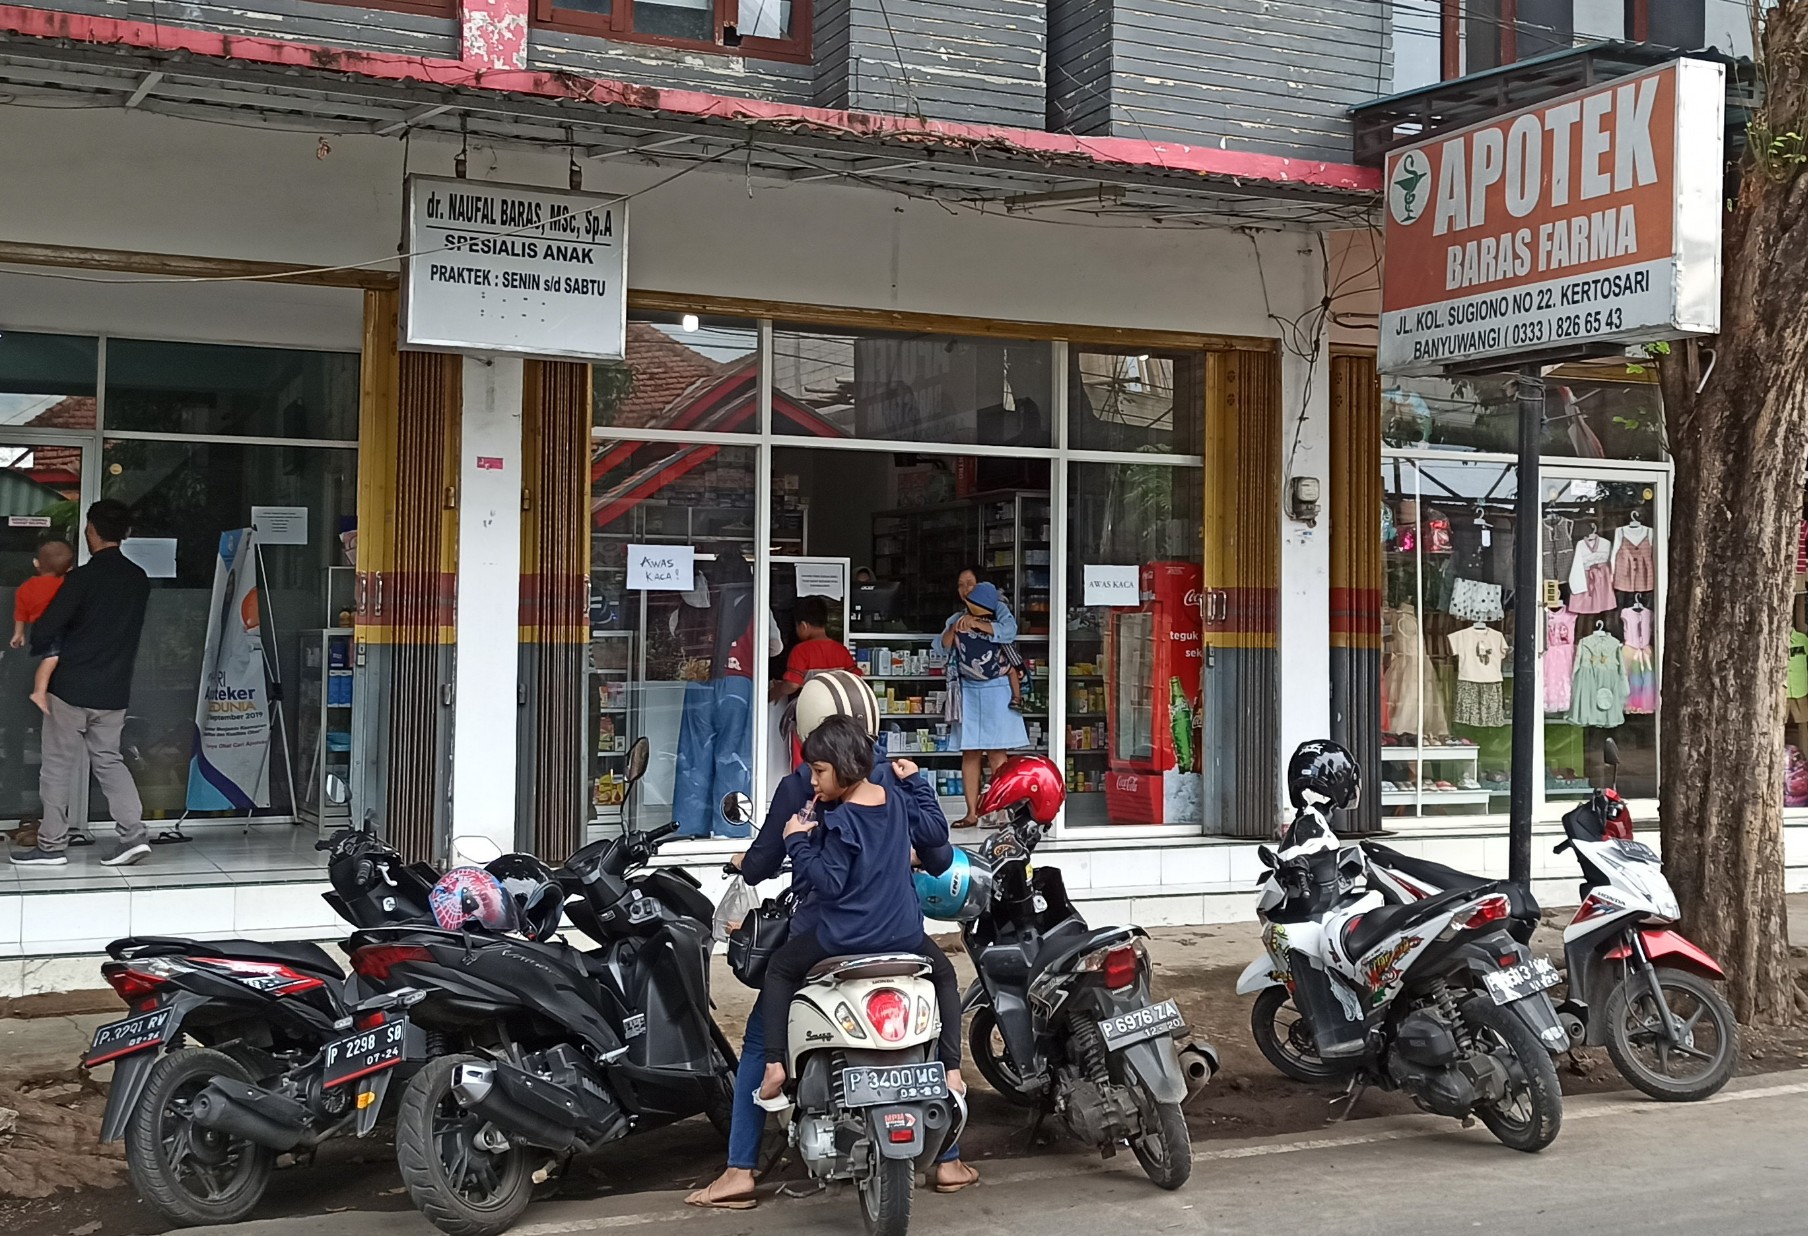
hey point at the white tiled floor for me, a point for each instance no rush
(221, 853)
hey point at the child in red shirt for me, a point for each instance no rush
(813, 651)
(54, 560)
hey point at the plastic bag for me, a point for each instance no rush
(737, 903)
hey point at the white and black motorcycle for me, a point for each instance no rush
(1435, 998)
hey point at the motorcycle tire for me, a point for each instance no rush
(168, 1157)
(1165, 1148)
(986, 1046)
(885, 1197)
(429, 1124)
(1294, 1058)
(1544, 1097)
(1630, 1001)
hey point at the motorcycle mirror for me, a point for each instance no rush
(337, 792)
(474, 851)
(1267, 856)
(637, 759)
(1610, 753)
(737, 808)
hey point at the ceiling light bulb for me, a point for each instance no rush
(690, 322)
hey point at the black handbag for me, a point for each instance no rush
(759, 935)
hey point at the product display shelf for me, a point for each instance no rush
(324, 722)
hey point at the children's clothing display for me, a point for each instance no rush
(1559, 546)
(1591, 577)
(1795, 777)
(1559, 659)
(1599, 691)
(1409, 685)
(1634, 559)
(1480, 694)
(1475, 601)
(1798, 678)
(1641, 667)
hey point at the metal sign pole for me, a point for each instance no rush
(1526, 693)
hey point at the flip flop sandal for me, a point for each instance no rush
(738, 1201)
(971, 1180)
(778, 1104)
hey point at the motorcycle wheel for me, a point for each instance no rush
(1283, 1036)
(192, 1176)
(985, 1043)
(1642, 1052)
(461, 1187)
(885, 1197)
(1164, 1148)
(1533, 1112)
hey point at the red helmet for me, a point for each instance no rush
(1026, 778)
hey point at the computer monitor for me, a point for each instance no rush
(874, 603)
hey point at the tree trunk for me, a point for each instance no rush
(1739, 439)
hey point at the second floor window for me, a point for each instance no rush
(773, 29)
(1477, 35)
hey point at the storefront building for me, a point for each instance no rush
(831, 388)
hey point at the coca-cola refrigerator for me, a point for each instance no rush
(1154, 654)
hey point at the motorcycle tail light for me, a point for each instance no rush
(1122, 965)
(142, 979)
(889, 1012)
(370, 1021)
(1487, 910)
(376, 960)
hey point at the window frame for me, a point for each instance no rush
(617, 25)
(1452, 14)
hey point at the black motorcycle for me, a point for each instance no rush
(538, 1050)
(237, 1050)
(1062, 1019)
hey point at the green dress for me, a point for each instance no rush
(1601, 688)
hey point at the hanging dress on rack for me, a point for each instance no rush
(1634, 560)
(1415, 698)
(1591, 577)
(1559, 659)
(1641, 667)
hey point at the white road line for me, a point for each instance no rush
(1434, 1127)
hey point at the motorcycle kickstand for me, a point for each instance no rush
(810, 1188)
(1035, 1129)
(1353, 1093)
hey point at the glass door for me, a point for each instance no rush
(1602, 553)
(40, 502)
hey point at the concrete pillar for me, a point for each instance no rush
(488, 622)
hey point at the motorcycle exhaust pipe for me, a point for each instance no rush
(1197, 1064)
(239, 1109)
(530, 1115)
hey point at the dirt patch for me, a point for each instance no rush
(51, 1141)
(59, 1004)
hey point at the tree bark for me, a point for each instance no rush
(1739, 438)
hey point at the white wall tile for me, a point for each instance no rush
(1126, 869)
(1194, 865)
(1176, 911)
(1106, 912)
(261, 908)
(1076, 869)
(11, 907)
(1245, 867)
(182, 911)
(1227, 908)
(39, 975)
(73, 922)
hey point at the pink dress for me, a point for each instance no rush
(1641, 667)
(1591, 577)
(1559, 659)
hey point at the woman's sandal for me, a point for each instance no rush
(704, 1199)
(971, 1178)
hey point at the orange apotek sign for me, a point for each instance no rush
(1591, 219)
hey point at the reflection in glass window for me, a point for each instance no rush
(675, 665)
(912, 388)
(1590, 413)
(682, 372)
(192, 492)
(676, 19)
(1133, 671)
(1136, 401)
(247, 392)
(47, 381)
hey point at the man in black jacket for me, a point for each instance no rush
(95, 622)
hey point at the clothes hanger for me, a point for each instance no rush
(1638, 602)
(1600, 625)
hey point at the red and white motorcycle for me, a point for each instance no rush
(1638, 987)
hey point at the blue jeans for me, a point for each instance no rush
(715, 755)
(749, 1122)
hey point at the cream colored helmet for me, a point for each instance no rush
(836, 693)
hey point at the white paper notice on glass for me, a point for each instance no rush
(822, 579)
(1112, 585)
(662, 568)
(280, 525)
(156, 555)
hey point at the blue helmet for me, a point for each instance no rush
(959, 893)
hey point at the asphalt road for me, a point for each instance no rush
(1737, 1163)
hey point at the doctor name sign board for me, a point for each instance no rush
(1592, 219)
(505, 268)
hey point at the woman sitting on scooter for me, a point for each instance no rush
(837, 693)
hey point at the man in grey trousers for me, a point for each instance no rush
(94, 624)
